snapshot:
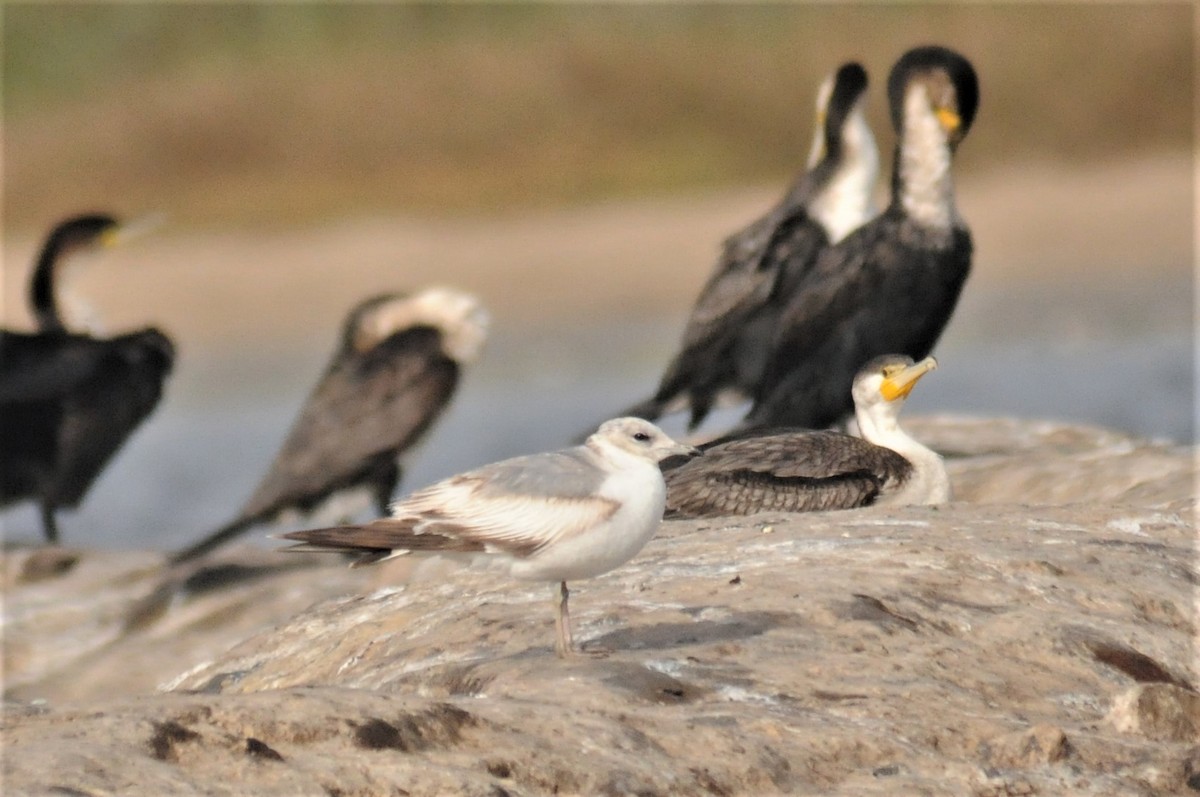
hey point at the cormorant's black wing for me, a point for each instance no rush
(787, 471)
(100, 414)
(39, 366)
(882, 290)
(366, 409)
(67, 404)
(734, 317)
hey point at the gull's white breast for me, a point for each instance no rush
(638, 490)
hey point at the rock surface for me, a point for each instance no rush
(1036, 636)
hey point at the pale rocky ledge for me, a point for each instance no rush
(1036, 636)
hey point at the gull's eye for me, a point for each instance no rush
(641, 437)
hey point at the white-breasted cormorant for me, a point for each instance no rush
(725, 342)
(69, 400)
(394, 371)
(555, 517)
(791, 470)
(892, 285)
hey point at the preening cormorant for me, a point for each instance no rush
(69, 400)
(724, 345)
(394, 371)
(892, 285)
(790, 470)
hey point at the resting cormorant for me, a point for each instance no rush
(394, 371)
(69, 401)
(892, 285)
(724, 344)
(790, 470)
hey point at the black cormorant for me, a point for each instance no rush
(394, 371)
(724, 346)
(68, 400)
(892, 285)
(791, 470)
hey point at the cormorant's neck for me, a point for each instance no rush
(41, 288)
(879, 425)
(922, 182)
(847, 200)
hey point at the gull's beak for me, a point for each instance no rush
(682, 449)
(900, 384)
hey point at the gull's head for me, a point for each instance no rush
(882, 385)
(458, 317)
(641, 438)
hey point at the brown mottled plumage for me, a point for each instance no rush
(785, 471)
(796, 470)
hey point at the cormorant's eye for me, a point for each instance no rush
(641, 437)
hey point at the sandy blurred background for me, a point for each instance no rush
(576, 166)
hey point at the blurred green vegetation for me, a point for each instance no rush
(272, 113)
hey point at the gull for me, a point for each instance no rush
(554, 517)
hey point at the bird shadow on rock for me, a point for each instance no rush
(189, 582)
(606, 662)
(663, 636)
(629, 681)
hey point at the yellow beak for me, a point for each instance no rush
(949, 119)
(899, 385)
(123, 233)
(111, 236)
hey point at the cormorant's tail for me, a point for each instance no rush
(212, 541)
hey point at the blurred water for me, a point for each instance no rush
(189, 468)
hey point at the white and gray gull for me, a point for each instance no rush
(725, 343)
(792, 470)
(555, 517)
(394, 371)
